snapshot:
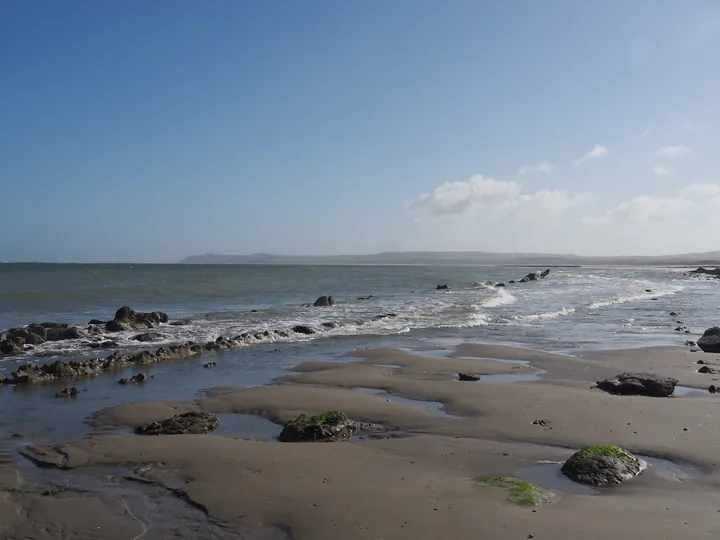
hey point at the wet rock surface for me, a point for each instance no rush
(639, 384)
(468, 377)
(127, 318)
(710, 340)
(180, 424)
(330, 426)
(324, 301)
(602, 466)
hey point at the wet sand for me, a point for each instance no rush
(413, 478)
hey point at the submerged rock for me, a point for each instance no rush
(128, 319)
(302, 329)
(187, 423)
(324, 301)
(602, 466)
(639, 384)
(322, 427)
(529, 277)
(148, 336)
(710, 340)
(499, 284)
(67, 393)
(468, 377)
(140, 377)
(517, 491)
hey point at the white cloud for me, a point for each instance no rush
(484, 194)
(678, 151)
(647, 208)
(596, 153)
(661, 170)
(542, 167)
(701, 191)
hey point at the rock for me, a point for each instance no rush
(186, 322)
(499, 284)
(129, 319)
(713, 389)
(545, 273)
(706, 271)
(690, 343)
(602, 466)
(710, 340)
(11, 346)
(38, 330)
(681, 329)
(365, 297)
(63, 332)
(468, 377)
(324, 301)
(517, 491)
(512, 281)
(140, 377)
(329, 325)
(148, 336)
(529, 277)
(180, 424)
(67, 393)
(330, 426)
(542, 423)
(302, 329)
(708, 369)
(385, 316)
(209, 365)
(639, 384)
(648, 290)
(97, 322)
(673, 314)
(442, 288)
(34, 339)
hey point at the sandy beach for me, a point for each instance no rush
(411, 476)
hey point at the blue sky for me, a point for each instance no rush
(148, 131)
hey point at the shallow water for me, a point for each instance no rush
(433, 407)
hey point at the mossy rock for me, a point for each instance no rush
(517, 491)
(329, 426)
(187, 423)
(602, 466)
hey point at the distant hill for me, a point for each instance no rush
(461, 258)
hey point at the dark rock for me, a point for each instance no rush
(639, 384)
(180, 424)
(681, 329)
(148, 336)
(529, 277)
(98, 322)
(209, 365)
(468, 377)
(324, 301)
(602, 466)
(185, 322)
(706, 271)
(323, 427)
(499, 284)
(385, 316)
(11, 346)
(366, 297)
(708, 369)
(63, 332)
(512, 281)
(38, 330)
(545, 273)
(34, 339)
(442, 288)
(542, 423)
(302, 329)
(710, 340)
(129, 319)
(673, 314)
(140, 377)
(713, 389)
(329, 325)
(690, 343)
(648, 290)
(67, 393)
(59, 370)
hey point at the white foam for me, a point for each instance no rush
(633, 297)
(500, 298)
(563, 312)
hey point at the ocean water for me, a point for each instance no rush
(572, 309)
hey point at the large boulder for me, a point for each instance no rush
(330, 426)
(639, 384)
(10, 346)
(602, 466)
(63, 332)
(324, 301)
(190, 422)
(710, 340)
(129, 319)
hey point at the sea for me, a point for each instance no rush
(572, 309)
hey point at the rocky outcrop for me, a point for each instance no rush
(710, 340)
(706, 272)
(330, 426)
(469, 377)
(34, 373)
(148, 336)
(534, 276)
(324, 301)
(188, 423)
(302, 329)
(602, 466)
(639, 384)
(128, 319)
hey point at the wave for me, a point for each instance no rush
(563, 312)
(501, 298)
(633, 298)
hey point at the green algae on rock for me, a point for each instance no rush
(517, 491)
(329, 426)
(602, 466)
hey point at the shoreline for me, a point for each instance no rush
(487, 428)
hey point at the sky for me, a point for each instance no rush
(150, 131)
